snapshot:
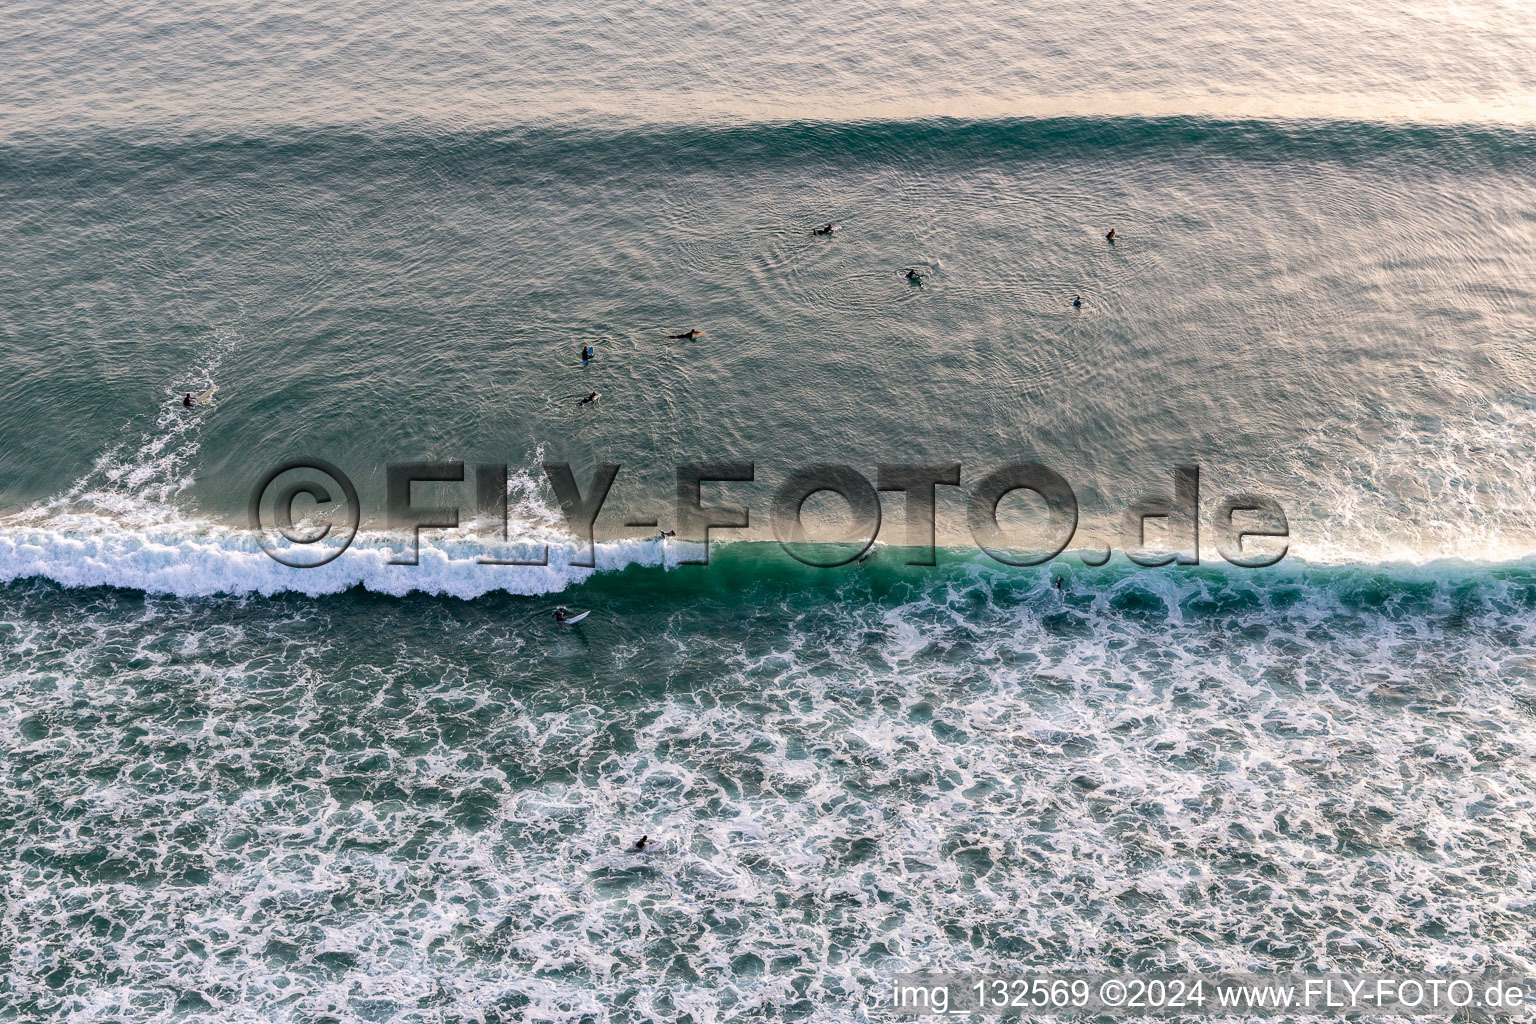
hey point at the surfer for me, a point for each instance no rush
(664, 534)
(1056, 583)
(826, 229)
(1110, 238)
(560, 614)
(689, 336)
(914, 276)
(1077, 302)
(591, 397)
(587, 352)
(186, 400)
(642, 844)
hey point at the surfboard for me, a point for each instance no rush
(206, 396)
(577, 617)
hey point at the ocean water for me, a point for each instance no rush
(236, 791)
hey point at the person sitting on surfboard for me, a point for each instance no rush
(913, 275)
(186, 400)
(695, 333)
(641, 844)
(591, 397)
(1111, 236)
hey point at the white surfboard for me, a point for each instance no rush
(577, 617)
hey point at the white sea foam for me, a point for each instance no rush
(1406, 492)
(194, 559)
(975, 776)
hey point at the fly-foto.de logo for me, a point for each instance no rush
(306, 512)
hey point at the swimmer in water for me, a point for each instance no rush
(642, 844)
(1056, 583)
(587, 351)
(1110, 237)
(591, 397)
(695, 333)
(1077, 302)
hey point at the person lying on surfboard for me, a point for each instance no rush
(695, 333)
(204, 397)
(591, 397)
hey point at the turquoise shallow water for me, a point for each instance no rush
(235, 791)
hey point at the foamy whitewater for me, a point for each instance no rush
(235, 791)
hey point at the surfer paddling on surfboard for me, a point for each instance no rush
(689, 336)
(563, 617)
(591, 397)
(204, 398)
